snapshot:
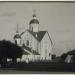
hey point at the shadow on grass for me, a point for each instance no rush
(43, 66)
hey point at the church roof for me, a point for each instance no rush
(30, 50)
(40, 34)
(26, 53)
(34, 20)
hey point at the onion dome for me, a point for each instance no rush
(34, 20)
(17, 36)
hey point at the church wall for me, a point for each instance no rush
(28, 58)
(34, 44)
(39, 47)
(35, 27)
(49, 48)
(26, 37)
(46, 48)
(32, 41)
(18, 41)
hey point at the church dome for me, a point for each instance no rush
(17, 36)
(34, 20)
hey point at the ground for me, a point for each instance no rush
(13, 71)
(23, 68)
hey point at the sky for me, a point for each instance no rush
(58, 18)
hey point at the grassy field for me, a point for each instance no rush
(11, 71)
(14, 71)
(23, 68)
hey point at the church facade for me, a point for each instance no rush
(37, 45)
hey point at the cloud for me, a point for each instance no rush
(68, 41)
(8, 14)
(63, 30)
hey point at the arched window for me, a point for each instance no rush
(27, 43)
(32, 28)
(49, 54)
(15, 41)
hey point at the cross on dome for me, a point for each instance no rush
(34, 20)
(17, 31)
(34, 13)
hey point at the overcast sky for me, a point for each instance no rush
(57, 18)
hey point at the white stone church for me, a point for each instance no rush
(37, 44)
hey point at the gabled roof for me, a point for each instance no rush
(40, 34)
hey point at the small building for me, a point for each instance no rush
(69, 59)
(34, 41)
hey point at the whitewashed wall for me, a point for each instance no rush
(46, 48)
(32, 41)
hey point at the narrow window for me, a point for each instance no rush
(15, 41)
(27, 43)
(49, 54)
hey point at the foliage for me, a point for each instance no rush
(9, 50)
(64, 55)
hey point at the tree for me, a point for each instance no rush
(9, 50)
(63, 57)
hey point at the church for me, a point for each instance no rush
(37, 44)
